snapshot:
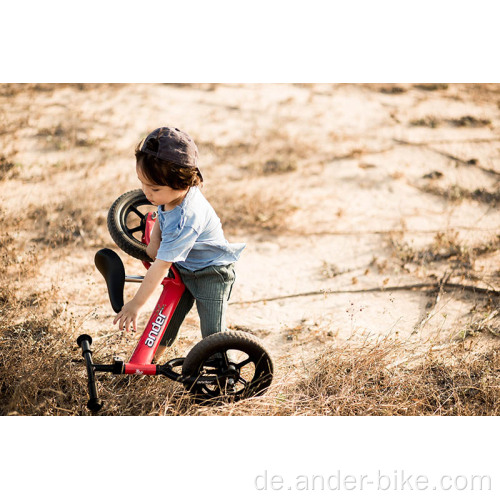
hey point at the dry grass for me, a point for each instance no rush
(251, 210)
(457, 194)
(12, 89)
(431, 87)
(7, 167)
(273, 152)
(71, 222)
(359, 382)
(63, 137)
(463, 121)
(446, 246)
(42, 373)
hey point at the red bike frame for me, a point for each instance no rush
(140, 362)
(173, 288)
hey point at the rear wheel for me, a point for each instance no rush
(127, 223)
(228, 365)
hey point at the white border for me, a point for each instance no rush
(258, 41)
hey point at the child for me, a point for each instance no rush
(187, 232)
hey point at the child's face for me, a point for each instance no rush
(160, 195)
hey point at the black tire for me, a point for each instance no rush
(126, 223)
(249, 365)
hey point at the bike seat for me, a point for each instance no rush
(110, 265)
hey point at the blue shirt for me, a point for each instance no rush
(192, 236)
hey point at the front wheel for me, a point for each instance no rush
(228, 365)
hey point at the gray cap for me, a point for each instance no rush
(171, 144)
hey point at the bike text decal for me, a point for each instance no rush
(155, 329)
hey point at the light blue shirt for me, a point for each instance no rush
(192, 235)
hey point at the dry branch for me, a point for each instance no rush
(413, 286)
(426, 316)
(447, 155)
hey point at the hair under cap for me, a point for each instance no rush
(171, 144)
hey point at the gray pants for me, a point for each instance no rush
(211, 288)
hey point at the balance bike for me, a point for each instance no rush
(227, 366)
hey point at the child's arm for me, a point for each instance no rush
(154, 240)
(128, 315)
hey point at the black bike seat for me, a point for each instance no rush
(111, 267)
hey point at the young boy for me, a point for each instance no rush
(187, 232)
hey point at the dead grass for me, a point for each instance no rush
(447, 254)
(446, 246)
(457, 194)
(41, 373)
(394, 89)
(273, 152)
(7, 168)
(279, 164)
(12, 89)
(72, 222)
(463, 121)
(359, 382)
(251, 210)
(64, 137)
(427, 121)
(363, 381)
(431, 87)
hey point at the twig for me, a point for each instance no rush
(413, 286)
(447, 155)
(108, 335)
(419, 355)
(474, 289)
(490, 316)
(360, 152)
(453, 141)
(390, 231)
(426, 316)
(64, 409)
(482, 325)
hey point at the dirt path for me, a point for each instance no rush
(332, 187)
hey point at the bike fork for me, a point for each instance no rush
(94, 403)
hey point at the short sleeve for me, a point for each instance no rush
(175, 247)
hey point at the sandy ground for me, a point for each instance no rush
(332, 187)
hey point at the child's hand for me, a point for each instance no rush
(128, 316)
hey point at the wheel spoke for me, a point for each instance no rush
(212, 372)
(135, 229)
(212, 364)
(242, 380)
(225, 359)
(137, 212)
(239, 366)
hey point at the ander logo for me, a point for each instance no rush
(155, 329)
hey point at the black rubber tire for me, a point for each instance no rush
(131, 202)
(217, 344)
